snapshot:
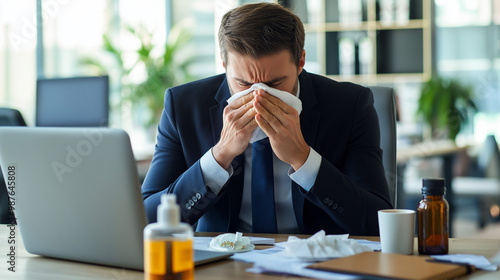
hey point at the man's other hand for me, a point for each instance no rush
(238, 125)
(281, 123)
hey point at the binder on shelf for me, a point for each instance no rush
(313, 10)
(402, 11)
(394, 12)
(365, 56)
(347, 56)
(350, 12)
(386, 12)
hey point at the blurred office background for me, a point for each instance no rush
(398, 43)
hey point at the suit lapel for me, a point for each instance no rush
(234, 189)
(309, 123)
(217, 110)
(309, 118)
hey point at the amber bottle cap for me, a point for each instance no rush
(433, 186)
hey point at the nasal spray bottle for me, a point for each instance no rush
(168, 244)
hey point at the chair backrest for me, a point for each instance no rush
(385, 105)
(8, 117)
(488, 159)
(11, 117)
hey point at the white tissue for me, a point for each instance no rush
(321, 246)
(230, 242)
(286, 97)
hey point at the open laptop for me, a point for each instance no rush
(77, 194)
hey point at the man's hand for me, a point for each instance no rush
(238, 125)
(281, 123)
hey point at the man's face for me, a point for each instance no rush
(276, 71)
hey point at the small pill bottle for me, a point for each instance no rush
(432, 217)
(168, 244)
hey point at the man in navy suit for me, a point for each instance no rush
(327, 161)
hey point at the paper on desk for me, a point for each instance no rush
(261, 240)
(375, 245)
(295, 268)
(496, 258)
(479, 262)
(268, 261)
(271, 261)
(203, 243)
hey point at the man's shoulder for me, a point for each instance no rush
(204, 84)
(327, 87)
(200, 91)
(322, 81)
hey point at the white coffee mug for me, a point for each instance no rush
(397, 230)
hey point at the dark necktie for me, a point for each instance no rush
(263, 212)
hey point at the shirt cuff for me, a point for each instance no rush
(307, 173)
(215, 176)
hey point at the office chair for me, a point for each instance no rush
(482, 183)
(8, 117)
(385, 105)
(11, 117)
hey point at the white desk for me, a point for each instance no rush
(428, 149)
(34, 267)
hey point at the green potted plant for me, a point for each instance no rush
(445, 105)
(163, 66)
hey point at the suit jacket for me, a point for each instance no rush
(338, 120)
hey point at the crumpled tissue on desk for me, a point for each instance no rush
(301, 253)
(322, 247)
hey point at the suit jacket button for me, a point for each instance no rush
(326, 200)
(341, 209)
(191, 202)
(188, 207)
(198, 195)
(335, 206)
(194, 198)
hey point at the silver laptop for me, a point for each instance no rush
(77, 194)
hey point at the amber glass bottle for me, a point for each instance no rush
(432, 215)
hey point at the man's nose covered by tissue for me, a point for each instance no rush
(286, 97)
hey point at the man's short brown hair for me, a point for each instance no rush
(261, 29)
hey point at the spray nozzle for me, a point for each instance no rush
(168, 210)
(168, 199)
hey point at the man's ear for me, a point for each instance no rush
(302, 62)
(222, 59)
